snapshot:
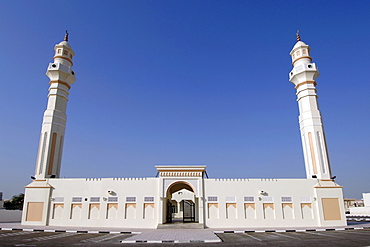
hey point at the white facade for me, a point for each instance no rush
(214, 203)
(142, 202)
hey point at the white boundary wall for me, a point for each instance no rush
(10, 215)
(227, 203)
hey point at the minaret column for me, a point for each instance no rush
(303, 76)
(54, 122)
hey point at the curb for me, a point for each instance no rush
(303, 230)
(69, 231)
(169, 241)
(358, 219)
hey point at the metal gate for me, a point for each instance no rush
(170, 210)
(188, 211)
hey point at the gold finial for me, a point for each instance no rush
(298, 36)
(66, 36)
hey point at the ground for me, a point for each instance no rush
(317, 239)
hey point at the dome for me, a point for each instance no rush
(65, 43)
(299, 43)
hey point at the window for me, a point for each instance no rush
(212, 198)
(59, 199)
(268, 199)
(286, 199)
(249, 198)
(112, 199)
(131, 199)
(306, 199)
(230, 199)
(149, 199)
(76, 199)
(94, 199)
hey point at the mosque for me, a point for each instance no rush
(183, 193)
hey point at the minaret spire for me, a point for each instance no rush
(66, 36)
(298, 36)
(54, 122)
(303, 76)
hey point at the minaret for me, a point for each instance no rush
(303, 76)
(54, 122)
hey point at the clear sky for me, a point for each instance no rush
(185, 82)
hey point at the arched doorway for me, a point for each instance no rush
(181, 203)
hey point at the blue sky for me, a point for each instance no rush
(185, 82)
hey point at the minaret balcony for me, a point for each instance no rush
(58, 71)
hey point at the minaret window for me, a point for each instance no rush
(52, 153)
(59, 51)
(70, 55)
(43, 153)
(320, 151)
(65, 52)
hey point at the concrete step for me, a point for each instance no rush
(180, 225)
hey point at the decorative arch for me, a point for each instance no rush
(178, 185)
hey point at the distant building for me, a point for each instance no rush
(184, 191)
(361, 207)
(349, 203)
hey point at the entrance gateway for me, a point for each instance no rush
(182, 193)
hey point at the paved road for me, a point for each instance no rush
(317, 239)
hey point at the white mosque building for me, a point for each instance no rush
(183, 192)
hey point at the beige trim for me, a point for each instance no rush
(306, 204)
(301, 58)
(112, 205)
(312, 153)
(181, 182)
(327, 180)
(58, 205)
(268, 205)
(61, 82)
(39, 187)
(230, 205)
(305, 82)
(74, 205)
(34, 211)
(212, 204)
(146, 205)
(247, 205)
(66, 58)
(94, 205)
(130, 204)
(287, 205)
(331, 209)
(328, 187)
(180, 171)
